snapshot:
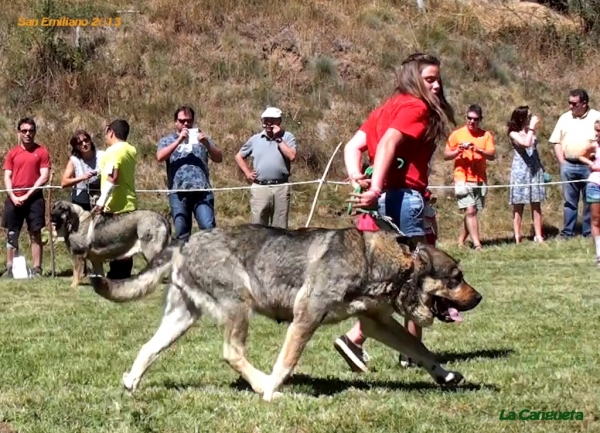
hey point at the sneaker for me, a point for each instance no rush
(352, 354)
(36, 272)
(8, 273)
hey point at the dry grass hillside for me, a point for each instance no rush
(325, 63)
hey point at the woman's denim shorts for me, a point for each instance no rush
(592, 193)
(406, 209)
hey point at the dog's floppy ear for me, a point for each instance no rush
(421, 253)
(73, 220)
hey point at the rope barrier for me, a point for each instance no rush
(305, 182)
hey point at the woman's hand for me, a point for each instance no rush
(360, 181)
(364, 200)
(533, 123)
(86, 176)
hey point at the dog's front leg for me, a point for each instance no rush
(234, 350)
(391, 333)
(78, 264)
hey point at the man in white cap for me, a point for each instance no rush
(272, 150)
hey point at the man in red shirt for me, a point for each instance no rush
(26, 169)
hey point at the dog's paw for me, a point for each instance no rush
(268, 397)
(129, 383)
(451, 380)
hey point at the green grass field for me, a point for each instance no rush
(532, 344)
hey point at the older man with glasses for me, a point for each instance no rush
(186, 152)
(572, 134)
(26, 170)
(272, 150)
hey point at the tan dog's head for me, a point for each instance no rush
(437, 289)
(64, 217)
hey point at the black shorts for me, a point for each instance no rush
(33, 211)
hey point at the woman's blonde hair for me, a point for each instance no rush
(410, 81)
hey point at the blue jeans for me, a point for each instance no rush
(406, 209)
(571, 194)
(185, 204)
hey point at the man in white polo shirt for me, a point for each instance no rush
(272, 150)
(572, 134)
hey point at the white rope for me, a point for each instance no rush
(508, 185)
(320, 181)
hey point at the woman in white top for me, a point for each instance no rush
(81, 172)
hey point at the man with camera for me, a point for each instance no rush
(186, 152)
(273, 149)
(470, 147)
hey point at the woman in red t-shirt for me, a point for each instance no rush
(399, 137)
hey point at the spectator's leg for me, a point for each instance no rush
(571, 196)
(204, 210)
(260, 205)
(536, 216)
(281, 206)
(181, 215)
(466, 202)
(587, 217)
(12, 221)
(472, 224)
(518, 220)
(35, 209)
(36, 252)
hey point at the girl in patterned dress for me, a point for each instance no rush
(527, 172)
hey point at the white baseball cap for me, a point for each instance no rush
(271, 113)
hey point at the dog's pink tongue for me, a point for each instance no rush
(455, 315)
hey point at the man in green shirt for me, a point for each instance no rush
(117, 184)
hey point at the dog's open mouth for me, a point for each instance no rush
(445, 310)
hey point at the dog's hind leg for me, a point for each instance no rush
(391, 333)
(179, 314)
(298, 334)
(234, 350)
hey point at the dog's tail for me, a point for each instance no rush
(138, 286)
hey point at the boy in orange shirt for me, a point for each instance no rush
(470, 147)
